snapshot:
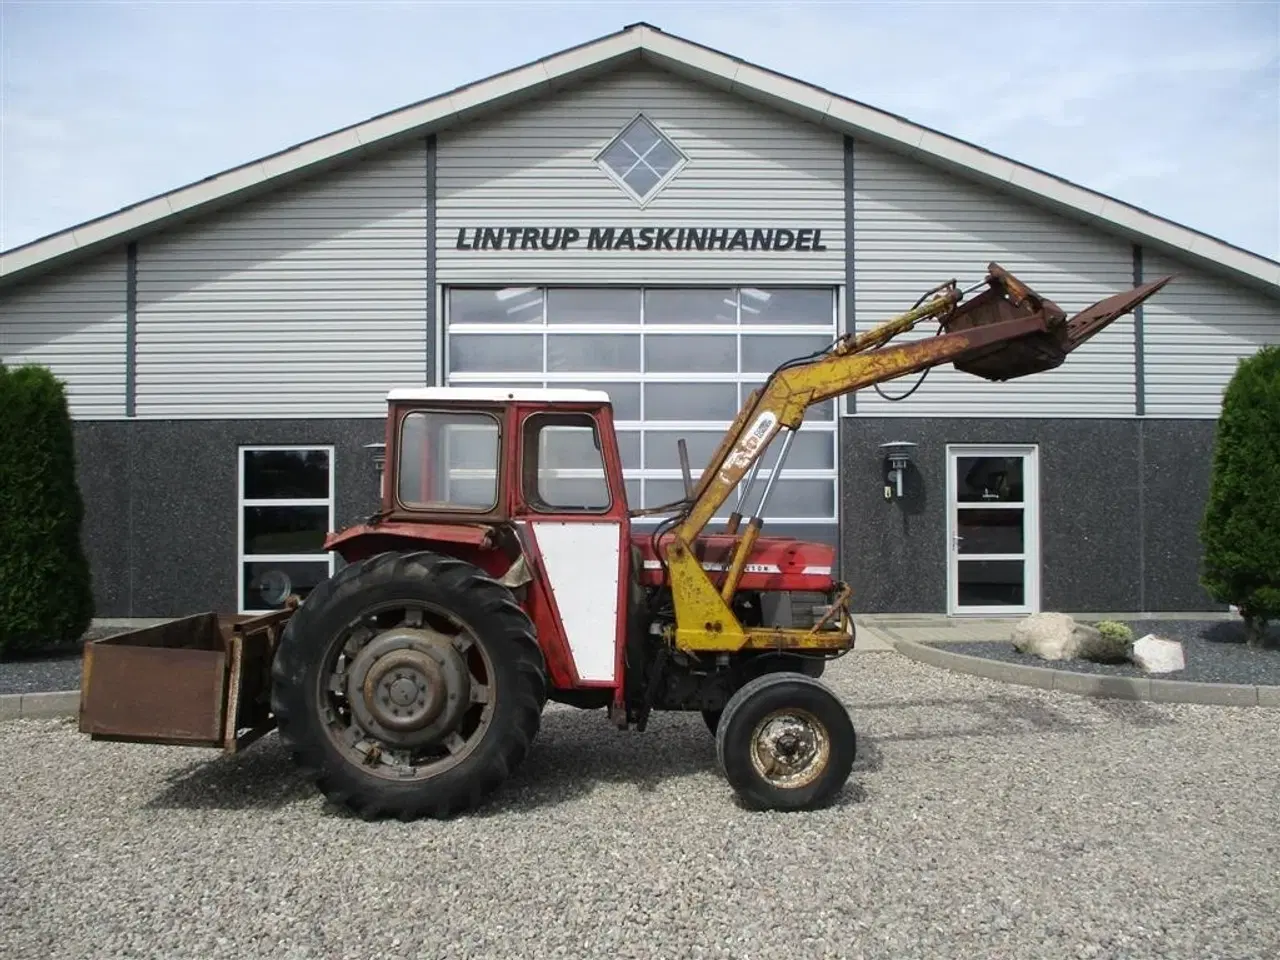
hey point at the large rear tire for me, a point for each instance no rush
(409, 685)
(785, 742)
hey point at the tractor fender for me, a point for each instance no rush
(483, 546)
(474, 543)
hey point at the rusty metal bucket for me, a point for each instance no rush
(201, 681)
(1008, 298)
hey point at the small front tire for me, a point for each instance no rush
(785, 742)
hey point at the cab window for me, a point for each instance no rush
(449, 461)
(564, 464)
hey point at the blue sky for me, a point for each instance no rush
(1174, 107)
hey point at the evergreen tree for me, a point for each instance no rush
(46, 598)
(1240, 530)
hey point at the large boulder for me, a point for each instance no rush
(1053, 636)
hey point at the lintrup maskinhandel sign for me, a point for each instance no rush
(768, 239)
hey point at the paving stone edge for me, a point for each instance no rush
(39, 706)
(1092, 684)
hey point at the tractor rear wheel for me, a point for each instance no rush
(785, 742)
(409, 685)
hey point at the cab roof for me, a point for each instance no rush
(496, 395)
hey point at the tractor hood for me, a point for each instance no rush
(776, 563)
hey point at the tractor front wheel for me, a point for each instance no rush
(771, 662)
(409, 685)
(785, 742)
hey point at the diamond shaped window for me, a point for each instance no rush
(641, 159)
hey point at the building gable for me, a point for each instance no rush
(744, 171)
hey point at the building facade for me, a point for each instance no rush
(659, 220)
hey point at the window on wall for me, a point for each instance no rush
(677, 362)
(641, 159)
(286, 509)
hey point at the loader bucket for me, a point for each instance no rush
(201, 681)
(1007, 298)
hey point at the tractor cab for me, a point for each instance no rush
(481, 455)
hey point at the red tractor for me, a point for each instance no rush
(503, 570)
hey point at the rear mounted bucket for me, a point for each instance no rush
(1007, 298)
(201, 681)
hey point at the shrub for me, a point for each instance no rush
(46, 600)
(1108, 642)
(1240, 528)
(1115, 631)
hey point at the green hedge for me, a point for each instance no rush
(1240, 529)
(46, 599)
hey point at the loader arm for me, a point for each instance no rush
(1007, 331)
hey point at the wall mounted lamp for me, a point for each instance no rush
(379, 463)
(897, 455)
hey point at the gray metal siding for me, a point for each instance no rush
(747, 167)
(918, 226)
(312, 302)
(73, 322)
(1195, 331)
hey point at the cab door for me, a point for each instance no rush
(571, 512)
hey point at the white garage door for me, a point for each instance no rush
(677, 362)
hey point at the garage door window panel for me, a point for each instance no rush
(690, 353)
(588, 352)
(493, 305)
(690, 306)
(593, 306)
(715, 402)
(786, 306)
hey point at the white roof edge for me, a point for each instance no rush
(731, 73)
(492, 394)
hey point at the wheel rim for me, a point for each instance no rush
(790, 748)
(406, 691)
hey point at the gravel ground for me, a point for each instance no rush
(983, 820)
(49, 671)
(37, 676)
(1214, 650)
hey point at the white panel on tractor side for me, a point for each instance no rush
(582, 561)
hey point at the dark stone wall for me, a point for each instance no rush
(161, 499)
(102, 472)
(1120, 508)
(1120, 503)
(1178, 464)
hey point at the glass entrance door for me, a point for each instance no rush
(993, 529)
